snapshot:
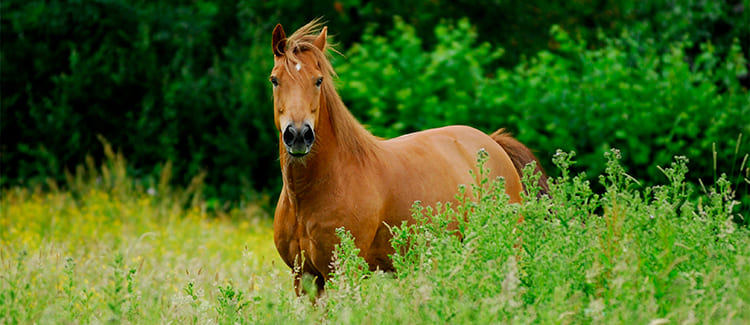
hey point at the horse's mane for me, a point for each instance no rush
(346, 129)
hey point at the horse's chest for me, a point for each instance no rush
(307, 240)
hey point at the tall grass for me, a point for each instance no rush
(109, 250)
(631, 255)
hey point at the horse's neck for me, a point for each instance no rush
(331, 153)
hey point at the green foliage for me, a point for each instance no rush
(398, 88)
(231, 303)
(350, 270)
(626, 94)
(349, 267)
(649, 255)
(521, 27)
(13, 291)
(633, 254)
(185, 85)
(163, 82)
(98, 253)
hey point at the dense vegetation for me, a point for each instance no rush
(186, 82)
(180, 233)
(108, 251)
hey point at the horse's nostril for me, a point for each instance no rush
(308, 134)
(289, 134)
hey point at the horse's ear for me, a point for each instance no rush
(278, 43)
(320, 42)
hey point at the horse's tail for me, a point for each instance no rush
(521, 156)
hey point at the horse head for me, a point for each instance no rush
(298, 76)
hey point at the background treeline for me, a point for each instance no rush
(187, 82)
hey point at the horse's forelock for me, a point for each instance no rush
(302, 41)
(291, 60)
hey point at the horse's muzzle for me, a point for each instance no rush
(298, 141)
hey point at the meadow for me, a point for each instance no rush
(627, 237)
(111, 249)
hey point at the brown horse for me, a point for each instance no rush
(337, 174)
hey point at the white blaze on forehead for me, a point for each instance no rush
(298, 66)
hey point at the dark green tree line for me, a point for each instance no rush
(187, 81)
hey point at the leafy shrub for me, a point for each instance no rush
(521, 27)
(626, 94)
(628, 255)
(396, 87)
(186, 83)
(162, 82)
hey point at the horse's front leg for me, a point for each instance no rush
(307, 279)
(304, 283)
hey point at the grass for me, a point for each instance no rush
(108, 250)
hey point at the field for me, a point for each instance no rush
(109, 250)
(181, 233)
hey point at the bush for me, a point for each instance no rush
(395, 87)
(187, 82)
(110, 251)
(626, 94)
(184, 83)
(625, 256)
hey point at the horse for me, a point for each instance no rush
(337, 174)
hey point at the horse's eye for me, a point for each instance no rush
(275, 81)
(318, 82)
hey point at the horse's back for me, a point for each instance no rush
(432, 163)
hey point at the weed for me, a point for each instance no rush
(632, 254)
(230, 304)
